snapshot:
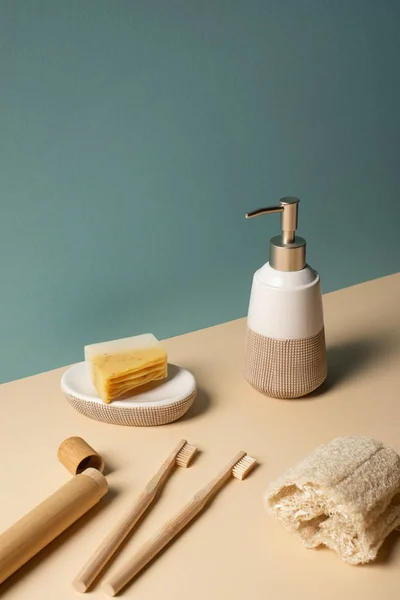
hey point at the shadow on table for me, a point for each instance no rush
(350, 359)
(200, 405)
(386, 552)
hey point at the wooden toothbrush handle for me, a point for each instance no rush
(111, 543)
(39, 527)
(154, 545)
(117, 535)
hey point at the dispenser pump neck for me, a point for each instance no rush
(287, 251)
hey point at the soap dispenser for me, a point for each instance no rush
(285, 354)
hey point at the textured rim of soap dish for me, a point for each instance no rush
(137, 414)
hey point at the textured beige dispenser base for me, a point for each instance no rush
(285, 368)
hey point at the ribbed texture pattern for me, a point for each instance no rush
(132, 416)
(285, 368)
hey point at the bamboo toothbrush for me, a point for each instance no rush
(181, 456)
(239, 467)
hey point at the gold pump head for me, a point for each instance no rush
(288, 250)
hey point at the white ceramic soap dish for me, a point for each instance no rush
(157, 403)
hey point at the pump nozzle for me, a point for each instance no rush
(287, 251)
(289, 209)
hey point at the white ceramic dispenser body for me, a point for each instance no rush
(285, 354)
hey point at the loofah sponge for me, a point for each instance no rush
(345, 495)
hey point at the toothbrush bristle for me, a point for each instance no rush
(243, 467)
(185, 456)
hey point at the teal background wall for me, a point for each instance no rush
(136, 134)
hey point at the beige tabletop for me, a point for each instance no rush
(235, 549)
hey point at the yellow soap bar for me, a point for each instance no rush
(119, 366)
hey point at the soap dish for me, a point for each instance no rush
(157, 403)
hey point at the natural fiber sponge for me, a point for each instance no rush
(345, 495)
